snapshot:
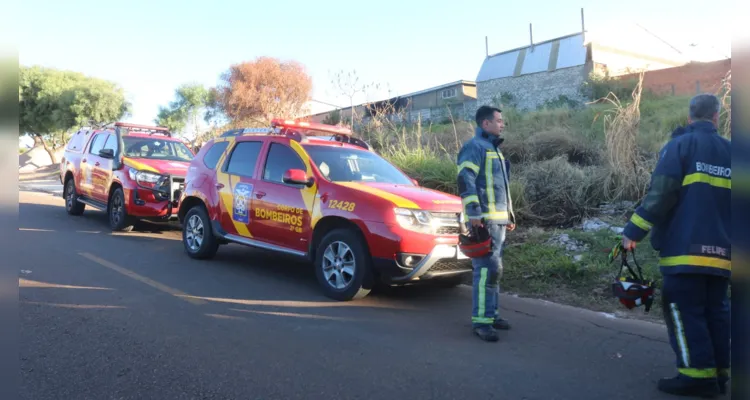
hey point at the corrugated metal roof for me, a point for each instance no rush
(563, 52)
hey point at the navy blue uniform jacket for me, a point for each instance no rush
(687, 207)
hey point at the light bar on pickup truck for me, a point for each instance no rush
(143, 128)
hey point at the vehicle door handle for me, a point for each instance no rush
(219, 186)
(259, 194)
(96, 164)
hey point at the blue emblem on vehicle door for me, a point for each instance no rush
(241, 203)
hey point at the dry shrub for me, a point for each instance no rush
(725, 95)
(627, 164)
(550, 144)
(557, 192)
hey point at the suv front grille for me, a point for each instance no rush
(448, 230)
(446, 223)
(450, 265)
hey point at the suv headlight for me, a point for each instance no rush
(415, 220)
(145, 179)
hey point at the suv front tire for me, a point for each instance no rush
(197, 235)
(342, 265)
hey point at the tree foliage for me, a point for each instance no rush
(52, 102)
(191, 101)
(263, 89)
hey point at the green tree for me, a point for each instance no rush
(52, 102)
(191, 101)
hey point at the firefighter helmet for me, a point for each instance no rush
(475, 243)
(632, 291)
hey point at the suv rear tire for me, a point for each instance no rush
(119, 220)
(72, 205)
(197, 235)
(342, 258)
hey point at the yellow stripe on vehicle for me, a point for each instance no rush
(138, 165)
(312, 203)
(700, 177)
(640, 222)
(696, 261)
(395, 199)
(226, 194)
(470, 165)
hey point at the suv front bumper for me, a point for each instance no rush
(443, 261)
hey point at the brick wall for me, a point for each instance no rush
(686, 80)
(531, 91)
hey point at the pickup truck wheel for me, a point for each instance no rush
(119, 220)
(343, 267)
(72, 206)
(197, 236)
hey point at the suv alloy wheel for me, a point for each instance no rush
(343, 265)
(197, 236)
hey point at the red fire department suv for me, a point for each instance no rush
(315, 191)
(130, 171)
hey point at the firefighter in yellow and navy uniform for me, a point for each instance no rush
(687, 212)
(485, 194)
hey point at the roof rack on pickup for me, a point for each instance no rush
(298, 130)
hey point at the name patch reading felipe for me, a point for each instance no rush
(241, 204)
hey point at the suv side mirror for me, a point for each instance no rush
(107, 153)
(297, 177)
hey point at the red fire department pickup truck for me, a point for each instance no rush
(130, 171)
(315, 191)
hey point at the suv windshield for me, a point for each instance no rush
(156, 149)
(340, 164)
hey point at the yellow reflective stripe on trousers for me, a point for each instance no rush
(640, 222)
(679, 332)
(700, 177)
(470, 165)
(482, 295)
(698, 373)
(696, 261)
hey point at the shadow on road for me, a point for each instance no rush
(236, 272)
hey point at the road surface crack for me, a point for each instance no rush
(628, 333)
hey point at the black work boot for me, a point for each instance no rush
(723, 379)
(687, 387)
(486, 333)
(501, 324)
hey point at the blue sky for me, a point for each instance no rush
(150, 49)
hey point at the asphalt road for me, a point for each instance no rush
(130, 316)
(49, 185)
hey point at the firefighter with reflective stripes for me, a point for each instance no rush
(485, 193)
(687, 212)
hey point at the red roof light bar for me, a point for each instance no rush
(311, 126)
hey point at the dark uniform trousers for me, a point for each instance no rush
(697, 313)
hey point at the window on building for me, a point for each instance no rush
(449, 93)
